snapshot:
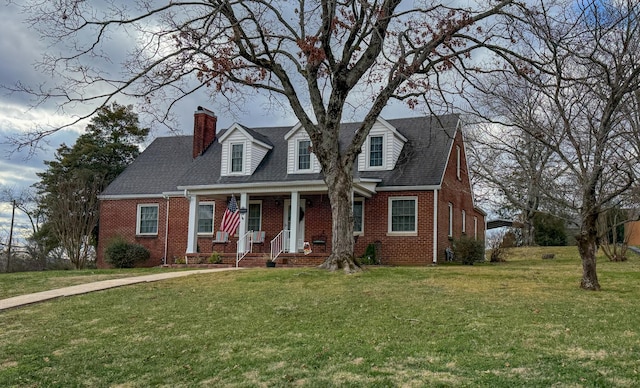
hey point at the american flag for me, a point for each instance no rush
(231, 217)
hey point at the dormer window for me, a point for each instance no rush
(304, 155)
(243, 149)
(375, 151)
(300, 158)
(381, 149)
(236, 157)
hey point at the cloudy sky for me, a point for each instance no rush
(21, 48)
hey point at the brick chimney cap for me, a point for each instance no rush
(200, 109)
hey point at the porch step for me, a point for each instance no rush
(257, 260)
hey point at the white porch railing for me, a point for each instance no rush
(242, 250)
(279, 244)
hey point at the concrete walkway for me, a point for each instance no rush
(22, 300)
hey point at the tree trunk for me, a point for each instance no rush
(341, 256)
(588, 247)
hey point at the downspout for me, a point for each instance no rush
(166, 231)
(435, 226)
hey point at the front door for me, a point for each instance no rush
(300, 226)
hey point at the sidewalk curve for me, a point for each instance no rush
(22, 300)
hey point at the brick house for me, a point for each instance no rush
(412, 194)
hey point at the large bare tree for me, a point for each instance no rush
(512, 165)
(319, 58)
(72, 213)
(582, 60)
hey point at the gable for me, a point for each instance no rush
(382, 147)
(242, 151)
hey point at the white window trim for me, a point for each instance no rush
(138, 218)
(213, 218)
(297, 157)
(389, 217)
(464, 222)
(475, 228)
(458, 160)
(368, 165)
(450, 232)
(255, 202)
(360, 232)
(244, 158)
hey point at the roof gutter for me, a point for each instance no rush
(409, 188)
(364, 186)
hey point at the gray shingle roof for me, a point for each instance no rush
(167, 163)
(157, 169)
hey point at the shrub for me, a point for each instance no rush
(468, 250)
(123, 254)
(497, 247)
(369, 257)
(215, 258)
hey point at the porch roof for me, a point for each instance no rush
(363, 187)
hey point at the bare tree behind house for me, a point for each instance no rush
(582, 61)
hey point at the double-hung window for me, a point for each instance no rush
(458, 161)
(237, 157)
(147, 219)
(464, 221)
(304, 155)
(358, 215)
(403, 215)
(450, 219)
(205, 217)
(475, 227)
(375, 151)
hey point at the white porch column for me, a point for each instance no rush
(192, 237)
(295, 219)
(242, 229)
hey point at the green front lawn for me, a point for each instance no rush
(19, 283)
(520, 323)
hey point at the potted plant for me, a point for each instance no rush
(270, 263)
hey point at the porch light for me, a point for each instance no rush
(243, 211)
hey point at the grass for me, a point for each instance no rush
(520, 323)
(19, 283)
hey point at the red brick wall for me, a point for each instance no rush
(459, 193)
(398, 250)
(118, 219)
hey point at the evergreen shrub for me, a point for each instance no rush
(123, 254)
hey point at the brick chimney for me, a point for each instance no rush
(204, 130)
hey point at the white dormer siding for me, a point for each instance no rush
(253, 151)
(294, 138)
(392, 143)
